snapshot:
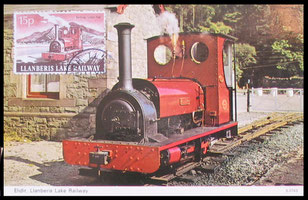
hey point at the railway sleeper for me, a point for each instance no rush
(259, 139)
(219, 159)
(271, 133)
(176, 172)
(264, 136)
(207, 168)
(295, 122)
(285, 126)
(221, 144)
(255, 141)
(217, 153)
(244, 146)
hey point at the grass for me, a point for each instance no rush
(14, 137)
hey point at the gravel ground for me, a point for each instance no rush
(245, 118)
(289, 173)
(41, 163)
(247, 167)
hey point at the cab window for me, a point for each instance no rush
(228, 66)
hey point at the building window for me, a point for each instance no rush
(43, 86)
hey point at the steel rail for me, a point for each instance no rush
(263, 126)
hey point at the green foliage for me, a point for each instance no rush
(199, 18)
(291, 55)
(232, 17)
(14, 137)
(245, 56)
(218, 27)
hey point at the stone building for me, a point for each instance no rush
(72, 112)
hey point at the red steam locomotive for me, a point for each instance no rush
(66, 44)
(151, 125)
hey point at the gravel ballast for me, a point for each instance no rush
(247, 167)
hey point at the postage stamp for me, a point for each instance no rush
(59, 42)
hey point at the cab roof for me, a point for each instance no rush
(229, 37)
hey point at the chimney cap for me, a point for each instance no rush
(124, 25)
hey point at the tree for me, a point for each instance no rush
(245, 56)
(291, 55)
(218, 27)
(198, 18)
(270, 29)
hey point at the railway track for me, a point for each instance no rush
(227, 148)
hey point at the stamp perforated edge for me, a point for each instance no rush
(51, 12)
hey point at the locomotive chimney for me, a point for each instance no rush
(124, 43)
(56, 32)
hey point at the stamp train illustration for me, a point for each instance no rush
(66, 44)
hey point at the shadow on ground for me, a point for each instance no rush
(58, 173)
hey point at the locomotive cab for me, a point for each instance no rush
(205, 58)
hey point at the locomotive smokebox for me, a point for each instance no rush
(124, 43)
